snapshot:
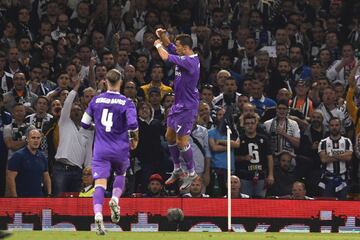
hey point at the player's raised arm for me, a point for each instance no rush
(161, 50)
(161, 34)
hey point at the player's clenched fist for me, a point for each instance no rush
(159, 32)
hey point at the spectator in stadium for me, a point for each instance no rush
(45, 77)
(63, 82)
(332, 44)
(149, 150)
(299, 69)
(299, 191)
(258, 99)
(235, 188)
(335, 152)
(229, 96)
(281, 77)
(309, 144)
(284, 176)
(130, 91)
(155, 188)
(167, 100)
(40, 116)
(204, 116)
(35, 85)
(218, 143)
(284, 132)
(329, 109)
(207, 94)
(5, 119)
(326, 59)
(156, 78)
(51, 132)
(219, 83)
(340, 70)
(74, 150)
(155, 102)
(88, 94)
(196, 189)
(19, 94)
(14, 133)
(87, 183)
(256, 169)
(301, 101)
(28, 169)
(246, 58)
(6, 82)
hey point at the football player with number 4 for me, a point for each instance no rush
(116, 132)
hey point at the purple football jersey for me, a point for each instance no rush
(113, 115)
(187, 73)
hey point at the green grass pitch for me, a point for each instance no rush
(38, 235)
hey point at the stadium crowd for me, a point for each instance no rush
(283, 74)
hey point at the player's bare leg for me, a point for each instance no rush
(175, 154)
(98, 199)
(187, 154)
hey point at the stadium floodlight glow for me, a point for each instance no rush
(228, 150)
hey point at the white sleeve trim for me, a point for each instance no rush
(86, 118)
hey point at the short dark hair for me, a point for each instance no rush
(283, 102)
(42, 97)
(185, 40)
(335, 119)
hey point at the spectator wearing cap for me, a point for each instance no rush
(155, 187)
(283, 174)
(301, 101)
(284, 132)
(156, 76)
(155, 102)
(340, 70)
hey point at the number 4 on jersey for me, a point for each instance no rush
(106, 119)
